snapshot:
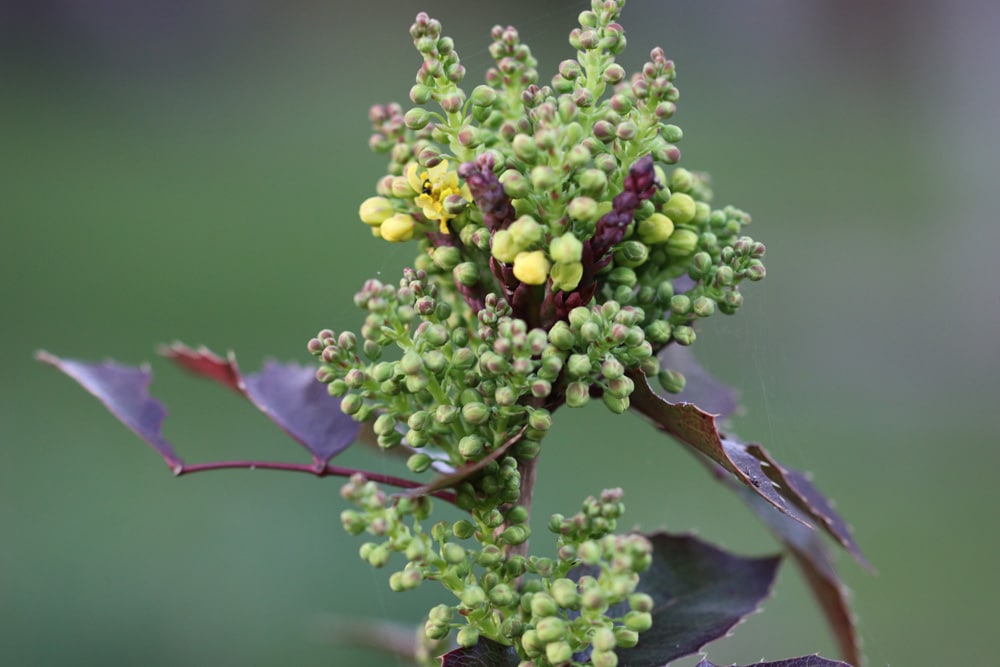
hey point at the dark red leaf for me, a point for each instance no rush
(124, 390)
(288, 394)
(486, 653)
(701, 388)
(804, 661)
(813, 559)
(699, 592)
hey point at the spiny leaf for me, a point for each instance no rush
(804, 661)
(486, 653)
(700, 388)
(813, 559)
(699, 591)
(288, 394)
(124, 390)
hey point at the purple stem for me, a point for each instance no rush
(326, 470)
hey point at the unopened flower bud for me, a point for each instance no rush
(475, 413)
(680, 208)
(515, 185)
(593, 182)
(472, 596)
(657, 228)
(681, 180)
(525, 148)
(682, 242)
(543, 606)
(418, 462)
(515, 534)
(466, 273)
(471, 446)
(525, 231)
(567, 248)
(550, 629)
(703, 306)
(447, 257)
(625, 638)
(543, 178)
(616, 404)
(375, 210)
(417, 118)
(397, 228)
(684, 335)
(467, 637)
(631, 254)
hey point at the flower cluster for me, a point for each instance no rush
(559, 248)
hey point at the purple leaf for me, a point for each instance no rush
(813, 559)
(701, 388)
(699, 592)
(804, 661)
(288, 394)
(124, 390)
(486, 653)
(697, 429)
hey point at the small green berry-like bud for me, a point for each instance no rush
(616, 404)
(604, 639)
(577, 394)
(640, 602)
(504, 246)
(612, 369)
(640, 621)
(565, 594)
(681, 180)
(471, 446)
(525, 148)
(684, 335)
(626, 638)
(473, 597)
(593, 182)
(543, 178)
(672, 381)
(445, 414)
(543, 606)
(515, 534)
(378, 556)
(631, 254)
(603, 658)
(515, 185)
(550, 629)
(418, 462)
(483, 96)
(467, 637)
(558, 653)
(680, 304)
(375, 210)
(680, 208)
(657, 228)
(475, 413)
(453, 553)
(351, 403)
(533, 646)
(566, 248)
(525, 231)
(566, 276)
(490, 556)
(703, 306)
(447, 257)
(417, 118)
(578, 365)
(466, 273)
(561, 336)
(589, 552)
(658, 332)
(583, 209)
(463, 529)
(411, 363)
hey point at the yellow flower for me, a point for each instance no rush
(397, 228)
(433, 185)
(531, 268)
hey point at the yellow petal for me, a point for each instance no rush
(413, 177)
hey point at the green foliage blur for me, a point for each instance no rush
(192, 171)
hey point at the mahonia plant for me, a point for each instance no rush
(561, 257)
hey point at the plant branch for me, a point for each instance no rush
(326, 470)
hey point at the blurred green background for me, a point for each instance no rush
(192, 170)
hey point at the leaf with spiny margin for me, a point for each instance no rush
(124, 391)
(701, 388)
(288, 394)
(699, 591)
(813, 559)
(486, 653)
(804, 661)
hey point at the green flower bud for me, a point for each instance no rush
(541, 389)
(384, 424)
(684, 334)
(416, 550)
(472, 596)
(378, 556)
(625, 638)
(375, 210)
(351, 403)
(593, 182)
(515, 185)
(566, 276)
(681, 180)
(411, 363)
(533, 646)
(640, 621)
(577, 394)
(396, 582)
(590, 331)
(622, 275)
(483, 96)
(664, 291)
(603, 639)
(567, 248)
(603, 658)
(447, 257)
(658, 332)
(418, 462)
(467, 637)
(680, 304)
(672, 381)
(631, 254)
(616, 404)
(543, 179)
(445, 414)
(561, 336)
(525, 148)
(551, 629)
(543, 606)
(503, 595)
(525, 231)
(565, 594)
(416, 383)
(589, 552)
(417, 118)
(490, 556)
(466, 273)
(657, 228)
(504, 246)
(585, 210)
(475, 413)
(703, 307)
(558, 653)
(680, 208)
(453, 553)
(526, 450)
(578, 365)
(505, 396)
(612, 369)
(515, 534)
(353, 522)
(471, 446)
